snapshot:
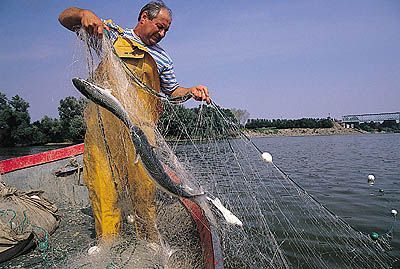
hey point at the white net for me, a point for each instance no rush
(283, 226)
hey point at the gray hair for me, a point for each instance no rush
(153, 8)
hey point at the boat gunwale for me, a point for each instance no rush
(210, 241)
(18, 163)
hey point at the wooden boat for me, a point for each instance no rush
(59, 174)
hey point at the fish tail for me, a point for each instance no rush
(228, 215)
(202, 202)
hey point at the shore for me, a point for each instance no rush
(337, 129)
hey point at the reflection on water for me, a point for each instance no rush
(335, 169)
(7, 153)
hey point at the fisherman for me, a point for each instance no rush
(109, 157)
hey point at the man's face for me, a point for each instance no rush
(153, 31)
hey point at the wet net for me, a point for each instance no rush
(283, 226)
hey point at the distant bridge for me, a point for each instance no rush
(378, 117)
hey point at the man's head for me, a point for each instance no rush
(153, 22)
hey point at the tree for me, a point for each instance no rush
(77, 128)
(284, 124)
(200, 122)
(176, 120)
(14, 121)
(71, 118)
(241, 115)
(51, 129)
(5, 117)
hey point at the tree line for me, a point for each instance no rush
(286, 124)
(179, 122)
(16, 128)
(389, 126)
(176, 122)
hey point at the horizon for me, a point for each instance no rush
(304, 59)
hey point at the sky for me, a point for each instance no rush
(275, 59)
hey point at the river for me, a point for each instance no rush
(7, 153)
(334, 170)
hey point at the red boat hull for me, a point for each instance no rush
(43, 167)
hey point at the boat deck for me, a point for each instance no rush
(186, 237)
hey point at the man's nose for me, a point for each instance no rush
(162, 32)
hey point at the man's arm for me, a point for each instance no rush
(73, 18)
(200, 93)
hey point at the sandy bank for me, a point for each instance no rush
(337, 129)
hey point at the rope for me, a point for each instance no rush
(215, 106)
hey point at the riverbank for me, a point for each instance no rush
(337, 129)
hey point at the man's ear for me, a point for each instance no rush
(144, 16)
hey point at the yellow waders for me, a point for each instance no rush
(110, 164)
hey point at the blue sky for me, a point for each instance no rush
(276, 59)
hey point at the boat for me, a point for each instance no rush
(59, 174)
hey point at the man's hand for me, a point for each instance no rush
(73, 18)
(91, 23)
(200, 93)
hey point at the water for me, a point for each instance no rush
(335, 169)
(12, 152)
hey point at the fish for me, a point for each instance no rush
(153, 165)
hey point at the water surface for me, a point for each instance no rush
(335, 169)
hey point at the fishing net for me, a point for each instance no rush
(25, 218)
(283, 226)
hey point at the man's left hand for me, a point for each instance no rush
(200, 93)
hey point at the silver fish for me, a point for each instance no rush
(146, 152)
(153, 166)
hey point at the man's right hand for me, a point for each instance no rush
(73, 18)
(91, 23)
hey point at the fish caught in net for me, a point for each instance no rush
(282, 225)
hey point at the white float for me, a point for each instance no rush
(93, 250)
(394, 212)
(130, 218)
(267, 157)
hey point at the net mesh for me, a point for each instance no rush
(283, 226)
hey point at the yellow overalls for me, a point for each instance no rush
(110, 164)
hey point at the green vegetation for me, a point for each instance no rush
(285, 124)
(241, 115)
(176, 122)
(17, 130)
(179, 122)
(388, 126)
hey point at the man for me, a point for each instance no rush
(110, 165)
(153, 24)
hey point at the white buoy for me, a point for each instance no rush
(371, 179)
(93, 250)
(130, 218)
(267, 157)
(394, 212)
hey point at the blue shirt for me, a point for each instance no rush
(165, 66)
